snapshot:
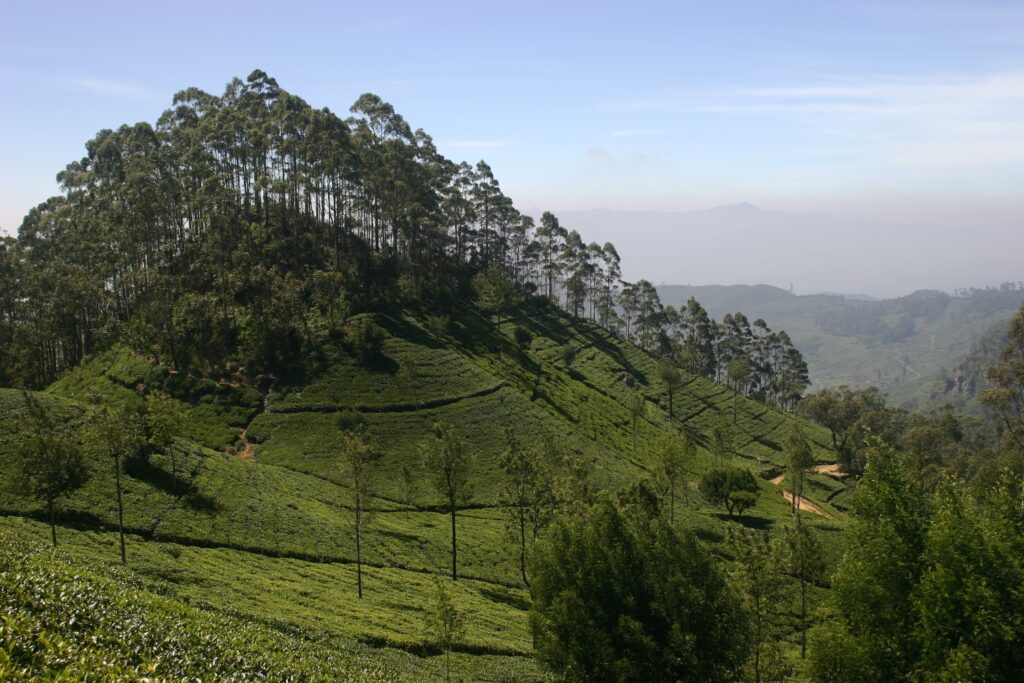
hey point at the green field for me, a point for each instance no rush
(269, 540)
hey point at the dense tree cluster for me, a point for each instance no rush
(751, 358)
(929, 587)
(619, 595)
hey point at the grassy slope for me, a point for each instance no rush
(273, 535)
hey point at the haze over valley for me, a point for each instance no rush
(813, 253)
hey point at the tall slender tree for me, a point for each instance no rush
(52, 465)
(447, 457)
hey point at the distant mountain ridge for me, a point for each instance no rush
(906, 346)
(815, 252)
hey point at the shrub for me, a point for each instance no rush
(366, 338)
(437, 325)
(522, 336)
(722, 484)
(741, 501)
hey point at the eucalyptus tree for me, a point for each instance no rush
(358, 453)
(52, 465)
(670, 376)
(551, 242)
(799, 459)
(122, 434)
(577, 269)
(447, 458)
(528, 494)
(674, 454)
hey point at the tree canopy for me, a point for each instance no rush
(620, 596)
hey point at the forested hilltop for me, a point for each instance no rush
(242, 229)
(288, 396)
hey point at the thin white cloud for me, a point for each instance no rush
(96, 84)
(910, 121)
(104, 86)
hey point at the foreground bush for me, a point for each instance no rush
(620, 596)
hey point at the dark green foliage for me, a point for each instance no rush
(620, 596)
(358, 454)
(366, 339)
(851, 415)
(802, 558)
(52, 466)
(437, 325)
(522, 336)
(741, 501)
(495, 290)
(929, 585)
(758, 578)
(671, 378)
(1005, 397)
(799, 458)
(675, 455)
(734, 488)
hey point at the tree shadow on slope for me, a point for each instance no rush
(142, 468)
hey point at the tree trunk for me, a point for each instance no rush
(359, 548)
(522, 547)
(174, 470)
(53, 523)
(455, 550)
(120, 506)
(803, 614)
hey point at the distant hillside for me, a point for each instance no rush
(961, 386)
(904, 345)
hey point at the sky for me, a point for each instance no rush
(893, 111)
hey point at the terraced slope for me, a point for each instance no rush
(272, 534)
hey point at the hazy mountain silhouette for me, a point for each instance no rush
(813, 252)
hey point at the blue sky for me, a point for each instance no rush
(900, 111)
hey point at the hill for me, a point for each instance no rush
(299, 287)
(904, 346)
(268, 538)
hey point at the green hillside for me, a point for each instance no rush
(264, 534)
(907, 346)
